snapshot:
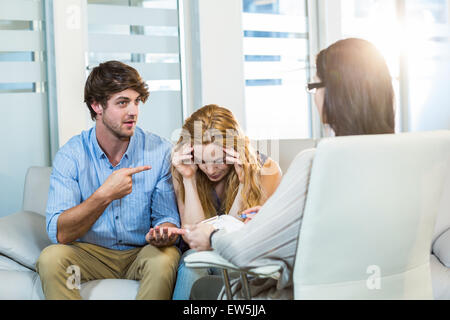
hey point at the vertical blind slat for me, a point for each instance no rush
(21, 10)
(274, 23)
(132, 44)
(15, 72)
(121, 15)
(158, 71)
(21, 40)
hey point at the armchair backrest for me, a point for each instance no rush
(370, 215)
(283, 151)
(35, 195)
(443, 216)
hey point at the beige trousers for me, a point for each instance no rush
(155, 268)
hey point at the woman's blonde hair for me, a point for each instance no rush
(215, 124)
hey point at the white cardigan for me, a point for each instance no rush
(271, 236)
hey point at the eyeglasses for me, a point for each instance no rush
(313, 86)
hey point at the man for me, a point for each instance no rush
(110, 213)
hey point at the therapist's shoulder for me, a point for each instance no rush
(304, 158)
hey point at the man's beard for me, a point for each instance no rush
(115, 130)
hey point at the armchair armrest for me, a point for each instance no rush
(23, 237)
(441, 248)
(210, 259)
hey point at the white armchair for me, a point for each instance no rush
(369, 224)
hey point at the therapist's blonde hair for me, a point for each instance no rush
(212, 123)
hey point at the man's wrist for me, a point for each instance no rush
(101, 198)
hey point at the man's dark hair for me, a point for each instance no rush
(359, 97)
(109, 78)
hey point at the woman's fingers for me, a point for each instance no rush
(157, 233)
(253, 209)
(165, 234)
(232, 160)
(183, 153)
(187, 149)
(231, 152)
(180, 158)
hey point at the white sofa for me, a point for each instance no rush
(23, 236)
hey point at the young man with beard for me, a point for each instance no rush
(112, 210)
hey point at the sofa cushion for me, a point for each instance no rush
(8, 264)
(109, 289)
(440, 277)
(20, 285)
(441, 248)
(23, 237)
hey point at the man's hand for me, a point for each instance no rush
(197, 236)
(120, 183)
(163, 235)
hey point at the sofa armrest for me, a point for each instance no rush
(441, 248)
(35, 194)
(23, 237)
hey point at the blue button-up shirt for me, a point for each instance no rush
(80, 167)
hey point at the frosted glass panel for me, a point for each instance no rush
(24, 107)
(26, 143)
(21, 10)
(143, 34)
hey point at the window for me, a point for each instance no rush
(428, 57)
(24, 107)
(413, 37)
(143, 34)
(361, 19)
(276, 69)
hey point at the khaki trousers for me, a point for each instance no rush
(154, 267)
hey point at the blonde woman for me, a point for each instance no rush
(216, 171)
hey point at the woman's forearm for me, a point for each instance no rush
(237, 203)
(193, 210)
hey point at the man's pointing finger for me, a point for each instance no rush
(132, 171)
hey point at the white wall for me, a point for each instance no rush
(70, 30)
(221, 51)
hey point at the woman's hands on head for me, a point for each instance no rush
(183, 161)
(232, 157)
